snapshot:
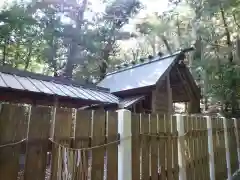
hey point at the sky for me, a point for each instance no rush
(151, 6)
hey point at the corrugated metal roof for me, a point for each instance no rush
(145, 74)
(40, 85)
(124, 103)
(11, 81)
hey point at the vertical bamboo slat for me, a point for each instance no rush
(36, 154)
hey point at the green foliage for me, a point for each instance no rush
(56, 35)
(213, 28)
(59, 38)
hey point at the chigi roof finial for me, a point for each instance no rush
(160, 54)
(141, 60)
(150, 57)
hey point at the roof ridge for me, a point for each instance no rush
(156, 59)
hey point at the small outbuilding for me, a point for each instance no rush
(30, 88)
(154, 85)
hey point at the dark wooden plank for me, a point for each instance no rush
(175, 148)
(198, 148)
(169, 152)
(162, 146)
(135, 147)
(63, 128)
(145, 146)
(154, 146)
(98, 138)
(36, 156)
(13, 128)
(205, 145)
(112, 150)
(83, 129)
(191, 148)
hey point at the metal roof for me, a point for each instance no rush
(142, 75)
(48, 85)
(126, 102)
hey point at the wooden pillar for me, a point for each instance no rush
(153, 101)
(162, 98)
(194, 106)
(53, 114)
(169, 96)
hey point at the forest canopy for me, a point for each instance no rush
(69, 38)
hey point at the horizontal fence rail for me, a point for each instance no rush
(68, 144)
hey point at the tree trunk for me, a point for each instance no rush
(28, 59)
(104, 64)
(52, 46)
(227, 33)
(217, 52)
(68, 72)
(230, 58)
(4, 51)
(17, 53)
(152, 41)
(166, 44)
(178, 33)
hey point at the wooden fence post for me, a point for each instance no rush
(181, 143)
(210, 148)
(237, 140)
(125, 146)
(226, 137)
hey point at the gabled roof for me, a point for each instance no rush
(25, 81)
(141, 75)
(126, 102)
